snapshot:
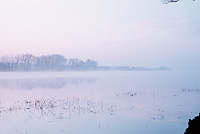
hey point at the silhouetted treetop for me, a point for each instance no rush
(170, 1)
(193, 126)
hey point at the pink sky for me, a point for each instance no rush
(113, 32)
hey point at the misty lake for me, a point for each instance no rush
(98, 102)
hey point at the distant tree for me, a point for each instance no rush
(26, 60)
(54, 62)
(8, 62)
(90, 64)
(51, 62)
(75, 64)
(3, 67)
(57, 62)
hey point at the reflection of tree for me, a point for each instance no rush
(50, 83)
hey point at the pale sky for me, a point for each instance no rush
(112, 32)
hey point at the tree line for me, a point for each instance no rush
(54, 62)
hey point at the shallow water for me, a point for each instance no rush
(143, 102)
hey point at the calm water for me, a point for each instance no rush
(141, 102)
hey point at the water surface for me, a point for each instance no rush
(118, 102)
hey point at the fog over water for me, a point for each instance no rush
(157, 44)
(98, 101)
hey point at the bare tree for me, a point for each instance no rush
(170, 1)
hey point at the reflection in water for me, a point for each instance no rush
(50, 83)
(119, 102)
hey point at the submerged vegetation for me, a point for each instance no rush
(51, 109)
(58, 108)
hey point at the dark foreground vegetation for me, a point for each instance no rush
(193, 126)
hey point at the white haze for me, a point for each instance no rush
(112, 32)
